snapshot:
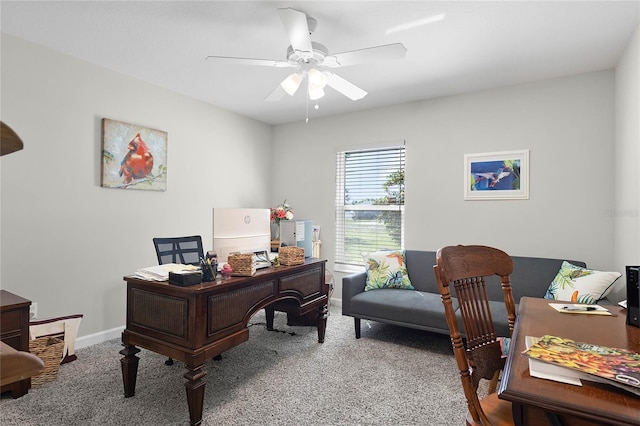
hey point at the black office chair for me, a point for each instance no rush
(184, 250)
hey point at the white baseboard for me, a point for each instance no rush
(95, 338)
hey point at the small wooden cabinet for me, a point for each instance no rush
(14, 331)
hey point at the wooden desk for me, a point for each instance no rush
(14, 331)
(194, 324)
(590, 404)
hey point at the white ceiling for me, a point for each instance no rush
(477, 45)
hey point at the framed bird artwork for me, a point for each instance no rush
(133, 157)
(496, 175)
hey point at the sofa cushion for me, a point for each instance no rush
(402, 307)
(530, 277)
(387, 269)
(581, 285)
(420, 269)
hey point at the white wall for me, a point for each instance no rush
(566, 123)
(626, 214)
(67, 242)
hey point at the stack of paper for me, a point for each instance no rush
(543, 370)
(161, 272)
(579, 308)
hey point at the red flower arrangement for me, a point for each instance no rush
(281, 212)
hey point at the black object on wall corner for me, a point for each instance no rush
(633, 296)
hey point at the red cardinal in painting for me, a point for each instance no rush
(138, 162)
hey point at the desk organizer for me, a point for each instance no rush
(49, 350)
(243, 265)
(291, 255)
(184, 279)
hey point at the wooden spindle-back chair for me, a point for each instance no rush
(465, 268)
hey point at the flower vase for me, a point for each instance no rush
(275, 237)
(275, 232)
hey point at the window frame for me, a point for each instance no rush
(341, 260)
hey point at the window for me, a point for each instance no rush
(369, 202)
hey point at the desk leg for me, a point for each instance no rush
(269, 316)
(129, 369)
(323, 312)
(195, 392)
(517, 412)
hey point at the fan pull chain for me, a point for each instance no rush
(307, 96)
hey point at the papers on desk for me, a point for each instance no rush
(578, 308)
(161, 272)
(564, 360)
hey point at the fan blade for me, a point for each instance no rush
(295, 23)
(276, 94)
(248, 61)
(371, 54)
(345, 87)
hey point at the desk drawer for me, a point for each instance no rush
(11, 322)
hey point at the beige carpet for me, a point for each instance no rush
(391, 376)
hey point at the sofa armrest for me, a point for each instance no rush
(351, 285)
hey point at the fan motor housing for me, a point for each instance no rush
(317, 56)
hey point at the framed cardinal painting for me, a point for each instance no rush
(133, 157)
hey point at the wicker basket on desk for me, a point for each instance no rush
(291, 255)
(49, 350)
(242, 265)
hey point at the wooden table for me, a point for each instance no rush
(196, 323)
(592, 403)
(14, 331)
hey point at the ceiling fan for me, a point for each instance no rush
(312, 60)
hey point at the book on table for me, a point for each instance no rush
(618, 367)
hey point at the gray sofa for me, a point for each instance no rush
(422, 309)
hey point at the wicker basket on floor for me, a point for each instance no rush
(49, 350)
(243, 265)
(291, 255)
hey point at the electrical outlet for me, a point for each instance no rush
(33, 311)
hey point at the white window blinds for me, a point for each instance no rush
(369, 202)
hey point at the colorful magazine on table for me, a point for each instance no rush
(619, 367)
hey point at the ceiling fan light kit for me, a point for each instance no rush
(316, 78)
(291, 83)
(311, 59)
(315, 93)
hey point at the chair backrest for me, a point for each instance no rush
(184, 250)
(465, 269)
